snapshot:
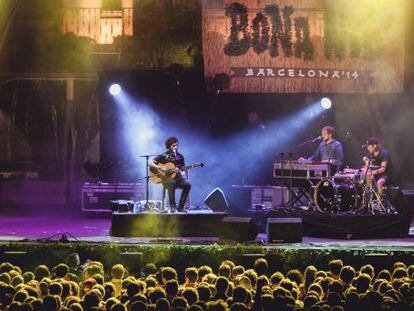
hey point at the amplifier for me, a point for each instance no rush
(269, 196)
(97, 197)
(284, 230)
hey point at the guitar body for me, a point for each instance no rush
(159, 177)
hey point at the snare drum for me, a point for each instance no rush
(337, 196)
(353, 174)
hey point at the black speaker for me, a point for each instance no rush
(237, 229)
(284, 230)
(399, 200)
(216, 200)
(409, 199)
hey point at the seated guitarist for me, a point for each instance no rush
(172, 155)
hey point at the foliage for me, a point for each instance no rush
(303, 45)
(281, 32)
(260, 38)
(168, 36)
(286, 35)
(48, 51)
(182, 256)
(239, 23)
(161, 37)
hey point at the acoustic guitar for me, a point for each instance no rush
(159, 176)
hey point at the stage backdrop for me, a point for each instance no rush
(290, 46)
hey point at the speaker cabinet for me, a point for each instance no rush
(237, 229)
(216, 201)
(284, 230)
(406, 205)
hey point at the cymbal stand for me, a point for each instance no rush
(370, 196)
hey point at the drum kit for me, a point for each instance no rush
(312, 185)
(351, 190)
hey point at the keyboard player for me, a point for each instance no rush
(329, 151)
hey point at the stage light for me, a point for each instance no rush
(326, 103)
(221, 81)
(115, 89)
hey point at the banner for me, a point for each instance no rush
(292, 46)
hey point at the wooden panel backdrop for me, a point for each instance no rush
(290, 46)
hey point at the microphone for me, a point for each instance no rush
(316, 139)
(364, 145)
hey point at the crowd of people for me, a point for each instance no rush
(70, 286)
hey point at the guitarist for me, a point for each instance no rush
(172, 155)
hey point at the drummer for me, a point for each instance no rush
(329, 150)
(380, 163)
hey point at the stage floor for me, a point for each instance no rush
(82, 228)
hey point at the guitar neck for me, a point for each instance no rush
(185, 168)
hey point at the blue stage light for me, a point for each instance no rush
(326, 103)
(115, 89)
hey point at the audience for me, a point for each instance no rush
(231, 287)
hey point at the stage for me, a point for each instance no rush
(28, 241)
(97, 229)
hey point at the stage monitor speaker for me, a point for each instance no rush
(237, 229)
(216, 200)
(409, 199)
(399, 200)
(284, 230)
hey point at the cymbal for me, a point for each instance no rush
(350, 170)
(371, 167)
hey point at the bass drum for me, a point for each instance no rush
(325, 196)
(344, 196)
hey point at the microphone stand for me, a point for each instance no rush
(329, 159)
(146, 156)
(300, 145)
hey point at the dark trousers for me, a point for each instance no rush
(173, 184)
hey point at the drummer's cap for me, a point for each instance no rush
(371, 141)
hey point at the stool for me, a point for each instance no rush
(164, 206)
(163, 203)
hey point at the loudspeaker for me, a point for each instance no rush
(398, 199)
(237, 229)
(284, 230)
(216, 200)
(409, 199)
